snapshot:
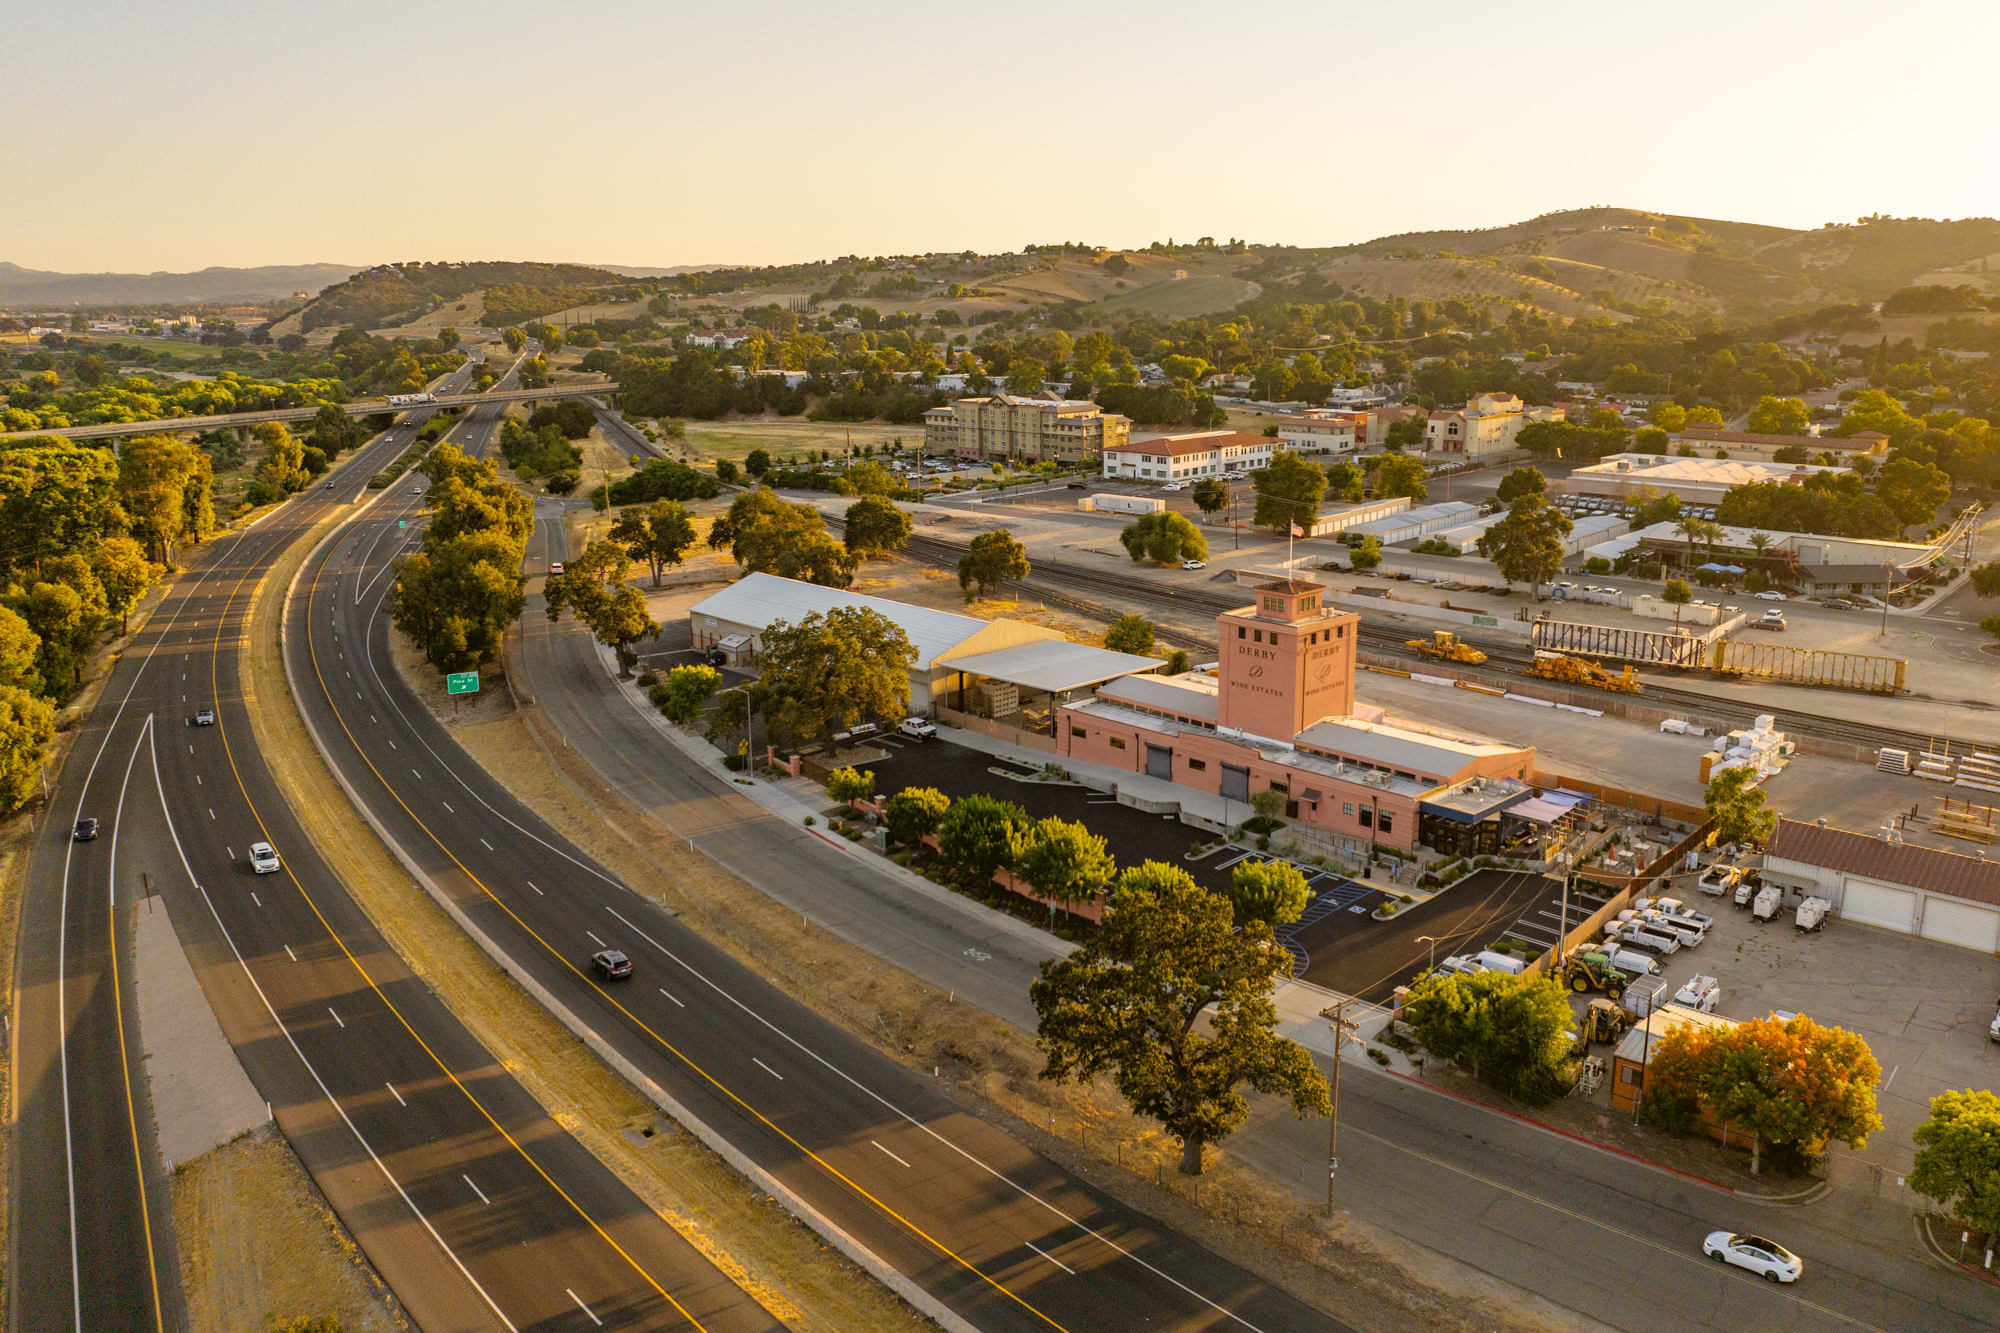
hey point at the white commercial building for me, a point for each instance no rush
(1697, 481)
(1208, 453)
(1414, 523)
(1880, 881)
(734, 620)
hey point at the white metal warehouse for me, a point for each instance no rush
(1898, 886)
(736, 618)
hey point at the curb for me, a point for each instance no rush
(1762, 1200)
(848, 1245)
(1929, 1240)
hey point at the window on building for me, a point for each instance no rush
(1367, 817)
(1347, 807)
(1117, 742)
(1281, 787)
(1198, 765)
(1239, 631)
(1384, 822)
(1628, 1074)
(1077, 732)
(1257, 636)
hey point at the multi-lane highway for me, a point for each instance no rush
(477, 1208)
(995, 1234)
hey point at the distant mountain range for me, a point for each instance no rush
(38, 287)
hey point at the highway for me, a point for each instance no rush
(363, 407)
(993, 1232)
(479, 1211)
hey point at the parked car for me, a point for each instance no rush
(1194, 564)
(1771, 620)
(85, 830)
(1699, 993)
(1718, 879)
(916, 729)
(203, 717)
(1769, 596)
(263, 858)
(1633, 963)
(1500, 962)
(1774, 1261)
(611, 965)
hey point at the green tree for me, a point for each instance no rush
(1704, 416)
(1366, 554)
(1958, 1158)
(768, 535)
(850, 784)
(1273, 892)
(1527, 545)
(979, 835)
(1512, 1032)
(1793, 1084)
(54, 614)
(124, 571)
(594, 587)
(1405, 433)
(915, 812)
(27, 725)
(55, 497)
(1649, 440)
(687, 691)
(1400, 476)
(1130, 633)
(1521, 481)
(20, 652)
(1064, 861)
(1986, 579)
(284, 465)
(1177, 663)
(1211, 494)
(832, 670)
(1912, 490)
(1344, 481)
(725, 471)
(153, 476)
(1289, 491)
(757, 463)
(1677, 594)
(1670, 417)
(875, 526)
(659, 534)
(456, 599)
(1779, 416)
(1738, 806)
(1166, 537)
(992, 559)
(1131, 1000)
(514, 338)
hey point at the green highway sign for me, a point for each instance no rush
(462, 682)
(402, 523)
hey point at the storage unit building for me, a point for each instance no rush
(1882, 881)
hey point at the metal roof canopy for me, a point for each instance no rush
(761, 600)
(1052, 665)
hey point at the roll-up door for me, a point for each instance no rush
(1874, 905)
(1970, 924)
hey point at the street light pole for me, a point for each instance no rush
(1336, 1014)
(1432, 941)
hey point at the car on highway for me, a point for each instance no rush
(611, 964)
(203, 717)
(1194, 564)
(263, 858)
(416, 490)
(1769, 596)
(328, 486)
(555, 567)
(85, 830)
(1079, 486)
(1773, 1260)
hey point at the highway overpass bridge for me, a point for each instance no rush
(361, 407)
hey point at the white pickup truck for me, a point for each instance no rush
(916, 729)
(1634, 932)
(1674, 907)
(1700, 993)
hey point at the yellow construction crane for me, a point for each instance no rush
(1578, 671)
(1448, 646)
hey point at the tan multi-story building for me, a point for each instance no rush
(1032, 430)
(1484, 427)
(1206, 453)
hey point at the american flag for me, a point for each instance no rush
(1298, 531)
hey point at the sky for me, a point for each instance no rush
(175, 137)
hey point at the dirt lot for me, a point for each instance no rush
(787, 435)
(271, 1248)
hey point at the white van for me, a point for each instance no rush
(1631, 962)
(1499, 962)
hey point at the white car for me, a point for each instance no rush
(263, 859)
(1769, 596)
(917, 729)
(1773, 1260)
(1194, 564)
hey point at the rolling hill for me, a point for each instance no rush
(27, 287)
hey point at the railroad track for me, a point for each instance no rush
(1063, 583)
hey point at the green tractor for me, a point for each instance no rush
(1593, 971)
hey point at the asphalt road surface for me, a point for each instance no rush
(997, 1233)
(479, 1210)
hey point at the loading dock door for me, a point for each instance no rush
(1967, 924)
(1875, 905)
(1159, 762)
(1235, 783)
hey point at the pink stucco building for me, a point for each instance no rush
(1279, 713)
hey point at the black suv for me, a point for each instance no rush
(85, 830)
(611, 965)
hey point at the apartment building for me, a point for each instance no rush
(1323, 432)
(1031, 430)
(1208, 453)
(1484, 427)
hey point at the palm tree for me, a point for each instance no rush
(1688, 526)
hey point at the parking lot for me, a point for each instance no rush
(1356, 954)
(1922, 1006)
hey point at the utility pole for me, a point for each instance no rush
(1888, 587)
(1336, 1014)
